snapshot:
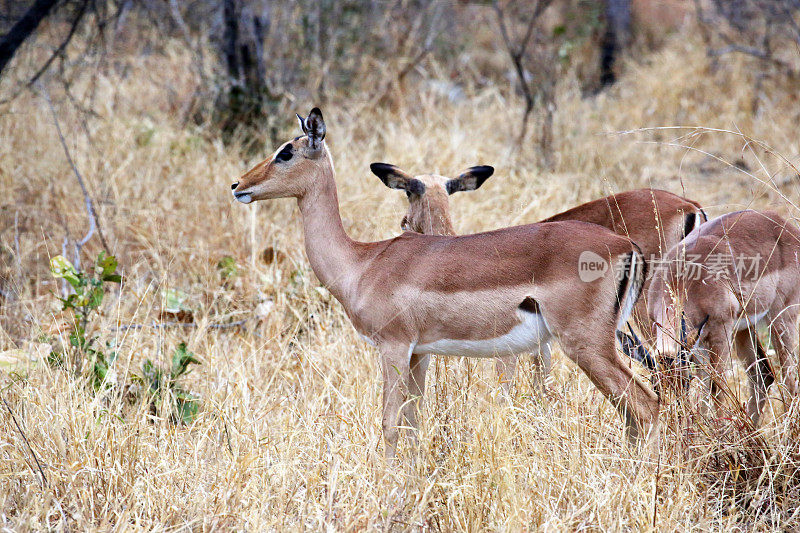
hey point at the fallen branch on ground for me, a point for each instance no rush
(160, 325)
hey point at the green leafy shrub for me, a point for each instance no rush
(161, 390)
(82, 352)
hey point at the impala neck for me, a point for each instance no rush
(444, 226)
(331, 252)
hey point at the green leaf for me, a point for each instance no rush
(113, 278)
(181, 359)
(60, 267)
(175, 301)
(227, 267)
(95, 298)
(70, 302)
(55, 359)
(76, 340)
(106, 264)
(149, 371)
(186, 407)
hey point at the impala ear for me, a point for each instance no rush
(313, 126)
(700, 329)
(690, 337)
(395, 178)
(634, 348)
(470, 180)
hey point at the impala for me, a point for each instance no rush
(496, 293)
(655, 220)
(728, 276)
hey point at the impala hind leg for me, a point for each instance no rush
(395, 367)
(785, 340)
(758, 371)
(636, 402)
(416, 389)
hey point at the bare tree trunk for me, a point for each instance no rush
(23, 29)
(615, 39)
(231, 37)
(243, 45)
(245, 102)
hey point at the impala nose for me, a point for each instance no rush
(234, 185)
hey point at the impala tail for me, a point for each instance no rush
(628, 292)
(630, 285)
(692, 220)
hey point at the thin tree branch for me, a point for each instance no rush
(161, 325)
(516, 60)
(424, 51)
(94, 223)
(60, 50)
(757, 53)
(541, 5)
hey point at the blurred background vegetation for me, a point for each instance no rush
(252, 58)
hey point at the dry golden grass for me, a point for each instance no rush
(289, 433)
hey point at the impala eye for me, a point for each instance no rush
(285, 154)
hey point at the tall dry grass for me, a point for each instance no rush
(289, 433)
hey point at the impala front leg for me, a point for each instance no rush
(395, 366)
(718, 342)
(758, 371)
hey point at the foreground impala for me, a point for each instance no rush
(655, 220)
(735, 272)
(496, 293)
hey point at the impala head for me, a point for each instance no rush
(292, 169)
(428, 195)
(677, 333)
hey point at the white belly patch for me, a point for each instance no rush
(523, 338)
(749, 321)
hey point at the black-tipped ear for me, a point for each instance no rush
(302, 122)
(701, 326)
(634, 348)
(470, 180)
(683, 333)
(383, 171)
(395, 178)
(627, 344)
(314, 127)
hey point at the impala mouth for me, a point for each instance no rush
(244, 197)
